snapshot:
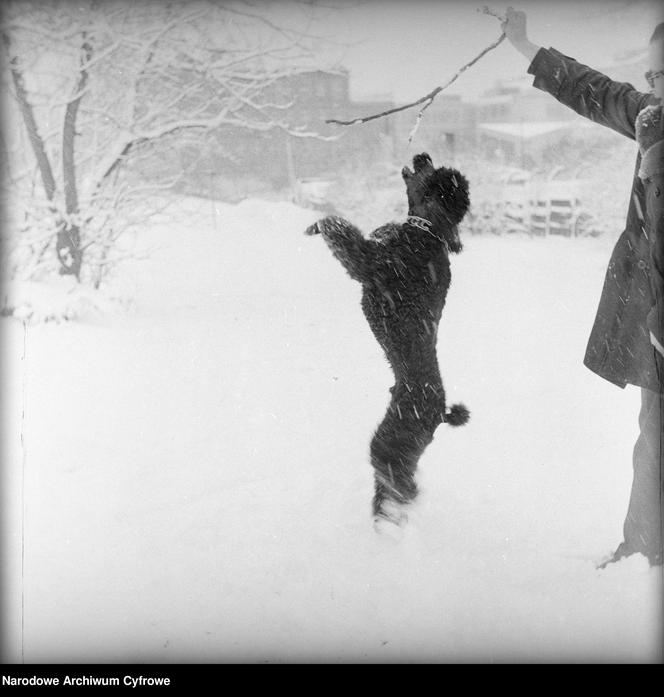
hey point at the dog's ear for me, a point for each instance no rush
(449, 188)
(460, 197)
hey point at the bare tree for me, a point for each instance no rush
(102, 86)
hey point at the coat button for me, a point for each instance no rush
(642, 264)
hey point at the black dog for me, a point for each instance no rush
(404, 270)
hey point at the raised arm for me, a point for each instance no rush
(586, 91)
(346, 242)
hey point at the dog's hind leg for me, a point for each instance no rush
(395, 451)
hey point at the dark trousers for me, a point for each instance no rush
(643, 528)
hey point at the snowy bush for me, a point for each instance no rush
(56, 300)
(599, 166)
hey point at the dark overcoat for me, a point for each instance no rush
(630, 308)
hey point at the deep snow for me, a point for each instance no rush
(196, 484)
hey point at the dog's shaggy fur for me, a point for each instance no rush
(404, 270)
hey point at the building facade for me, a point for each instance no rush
(511, 123)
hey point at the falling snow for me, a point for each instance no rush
(197, 482)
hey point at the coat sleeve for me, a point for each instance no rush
(652, 175)
(588, 92)
(650, 137)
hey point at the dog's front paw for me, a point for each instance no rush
(313, 229)
(330, 225)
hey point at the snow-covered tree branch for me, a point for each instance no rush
(94, 84)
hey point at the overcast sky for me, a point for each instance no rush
(404, 49)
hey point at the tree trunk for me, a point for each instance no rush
(68, 243)
(28, 115)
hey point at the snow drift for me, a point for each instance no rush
(193, 476)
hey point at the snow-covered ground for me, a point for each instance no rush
(195, 473)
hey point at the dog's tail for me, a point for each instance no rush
(458, 415)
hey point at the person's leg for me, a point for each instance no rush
(643, 524)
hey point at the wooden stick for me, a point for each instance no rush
(426, 100)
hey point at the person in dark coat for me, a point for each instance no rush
(626, 344)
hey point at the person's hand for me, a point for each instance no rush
(515, 27)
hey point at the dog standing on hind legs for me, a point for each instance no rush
(404, 270)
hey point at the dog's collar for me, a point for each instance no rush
(421, 223)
